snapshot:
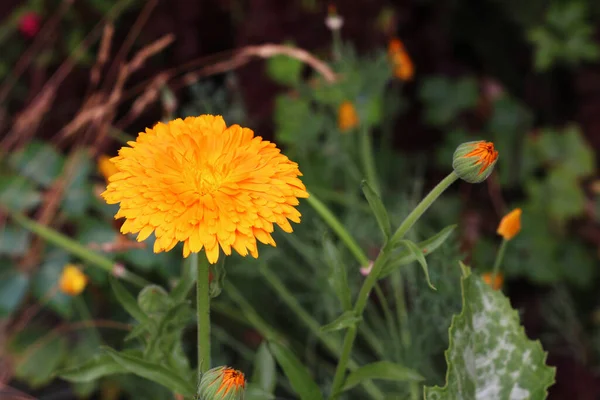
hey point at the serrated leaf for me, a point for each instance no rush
(489, 356)
(265, 371)
(346, 320)
(338, 276)
(97, 367)
(297, 374)
(427, 247)
(378, 209)
(155, 372)
(418, 254)
(385, 370)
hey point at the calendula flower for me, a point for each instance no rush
(72, 280)
(347, 116)
(106, 167)
(475, 161)
(497, 283)
(207, 185)
(222, 383)
(510, 224)
(402, 65)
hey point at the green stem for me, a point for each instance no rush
(498, 262)
(372, 278)
(331, 344)
(366, 156)
(339, 229)
(71, 246)
(203, 310)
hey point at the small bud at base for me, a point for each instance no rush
(474, 161)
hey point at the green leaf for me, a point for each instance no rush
(297, 374)
(417, 252)
(255, 392)
(46, 280)
(13, 287)
(14, 240)
(284, 70)
(346, 320)
(155, 372)
(489, 354)
(427, 247)
(378, 209)
(18, 193)
(41, 360)
(78, 191)
(338, 277)
(265, 371)
(128, 302)
(97, 367)
(385, 370)
(38, 161)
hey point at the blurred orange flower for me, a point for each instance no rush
(72, 280)
(498, 282)
(510, 225)
(401, 62)
(207, 185)
(347, 116)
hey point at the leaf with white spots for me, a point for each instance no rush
(490, 357)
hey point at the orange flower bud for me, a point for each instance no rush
(510, 225)
(498, 282)
(401, 62)
(72, 280)
(474, 161)
(222, 383)
(347, 116)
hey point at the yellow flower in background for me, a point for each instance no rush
(510, 225)
(207, 185)
(106, 167)
(72, 280)
(402, 64)
(222, 383)
(347, 116)
(498, 282)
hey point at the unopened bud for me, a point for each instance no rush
(222, 383)
(474, 161)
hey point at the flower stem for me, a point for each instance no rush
(498, 262)
(366, 156)
(339, 229)
(372, 278)
(203, 311)
(71, 246)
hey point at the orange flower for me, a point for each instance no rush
(498, 282)
(72, 280)
(207, 185)
(401, 62)
(347, 116)
(106, 167)
(474, 161)
(510, 224)
(222, 383)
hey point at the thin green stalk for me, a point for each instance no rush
(330, 343)
(372, 278)
(203, 310)
(366, 156)
(389, 317)
(498, 262)
(71, 246)
(339, 229)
